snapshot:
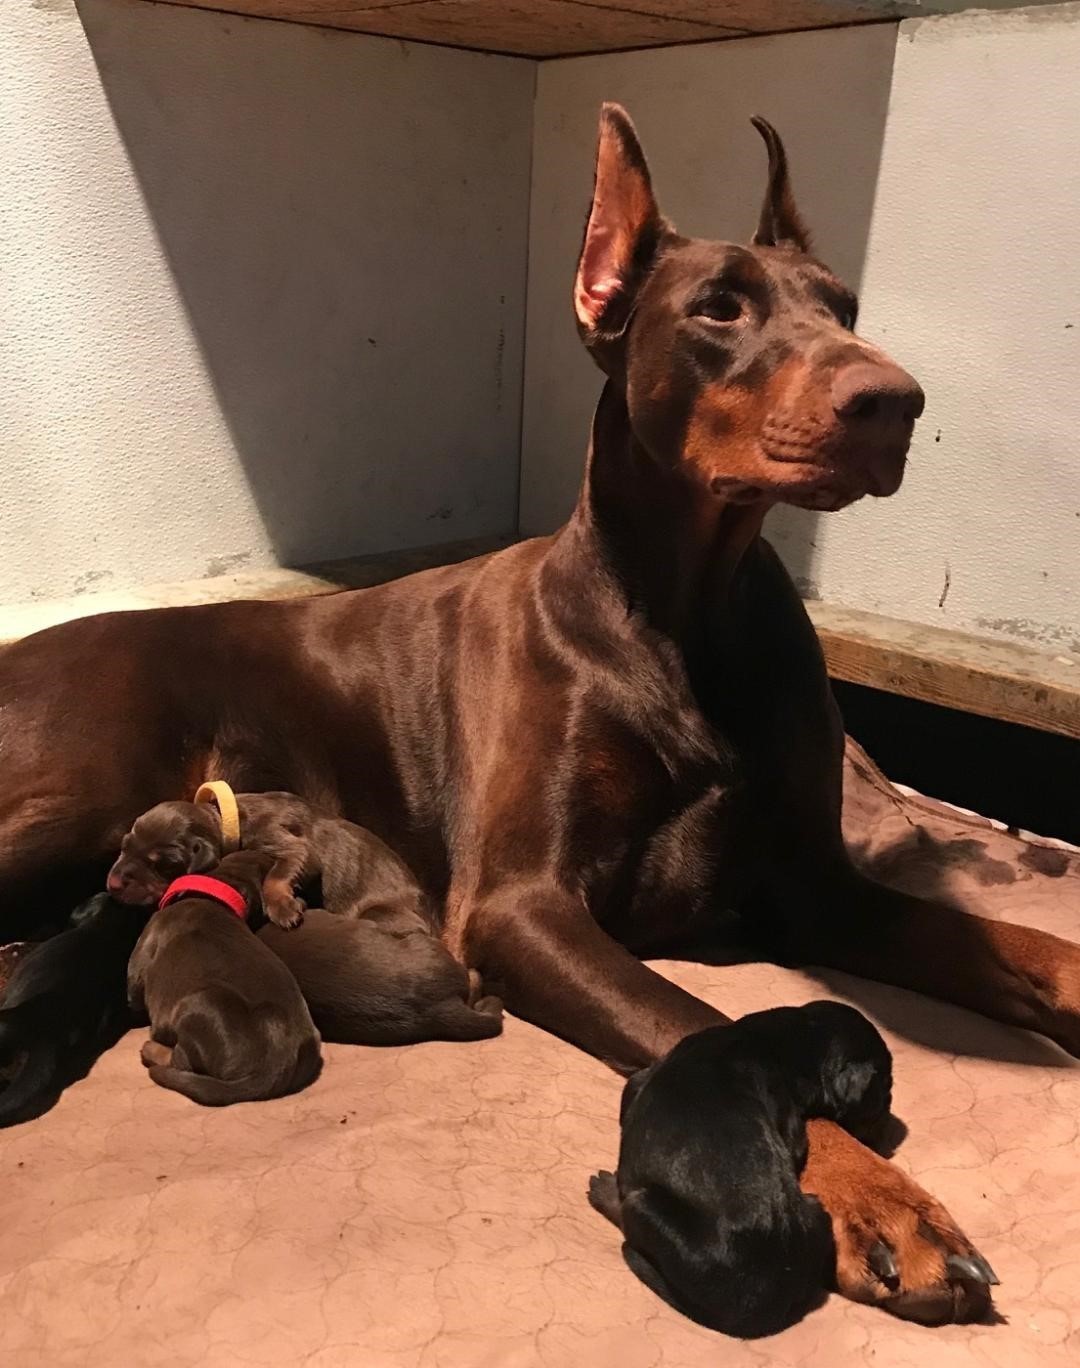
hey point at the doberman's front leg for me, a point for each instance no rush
(1010, 973)
(542, 951)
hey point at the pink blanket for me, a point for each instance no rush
(424, 1207)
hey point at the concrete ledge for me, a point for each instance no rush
(21, 619)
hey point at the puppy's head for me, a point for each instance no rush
(169, 840)
(856, 1067)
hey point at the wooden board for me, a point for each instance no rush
(1002, 679)
(567, 28)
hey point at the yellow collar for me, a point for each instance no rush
(218, 792)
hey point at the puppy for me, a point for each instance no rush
(713, 1142)
(358, 872)
(63, 1004)
(227, 1021)
(382, 981)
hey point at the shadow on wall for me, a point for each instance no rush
(345, 221)
(827, 93)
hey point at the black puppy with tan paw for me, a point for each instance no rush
(713, 1141)
(227, 1020)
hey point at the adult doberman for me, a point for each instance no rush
(588, 744)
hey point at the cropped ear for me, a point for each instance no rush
(622, 233)
(201, 855)
(780, 224)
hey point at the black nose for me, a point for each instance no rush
(876, 392)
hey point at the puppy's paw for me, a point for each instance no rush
(288, 913)
(489, 1006)
(604, 1196)
(154, 1052)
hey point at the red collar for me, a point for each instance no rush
(203, 886)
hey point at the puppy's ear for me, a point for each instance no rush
(851, 1082)
(202, 855)
(861, 1095)
(249, 882)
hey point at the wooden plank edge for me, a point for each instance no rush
(1005, 680)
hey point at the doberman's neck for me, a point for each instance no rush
(666, 542)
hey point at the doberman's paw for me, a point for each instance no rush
(912, 1260)
(896, 1247)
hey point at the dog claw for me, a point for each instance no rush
(971, 1268)
(883, 1265)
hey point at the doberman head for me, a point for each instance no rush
(740, 364)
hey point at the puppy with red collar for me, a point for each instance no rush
(227, 1020)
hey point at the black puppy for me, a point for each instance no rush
(65, 1003)
(713, 1141)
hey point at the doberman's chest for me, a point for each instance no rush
(660, 835)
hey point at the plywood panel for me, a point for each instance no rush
(778, 16)
(531, 28)
(560, 28)
(551, 28)
(565, 28)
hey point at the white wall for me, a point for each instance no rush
(973, 279)
(261, 292)
(204, 219)
(966, 243)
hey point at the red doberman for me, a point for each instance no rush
(590, 744)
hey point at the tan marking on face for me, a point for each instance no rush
(723, 438)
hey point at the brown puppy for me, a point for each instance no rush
(360, 874)
(380, 981)
(227, 1021)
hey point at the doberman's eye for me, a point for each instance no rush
(848, 316)
(725, 307)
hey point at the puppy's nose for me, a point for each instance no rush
(876, 392)
(115, 883)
